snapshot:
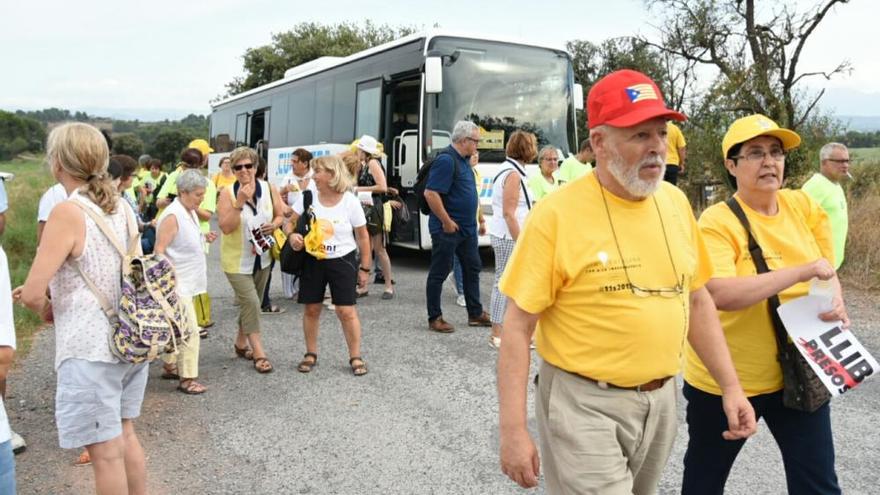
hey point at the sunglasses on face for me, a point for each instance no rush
(240, 166)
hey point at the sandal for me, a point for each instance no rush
(243, 352)
(273, 310)
(306, 365)
(203, 333)
(265, 367)
(84, 459)
(192, 387)
(169, 372)
(358, 369)
(388, 295)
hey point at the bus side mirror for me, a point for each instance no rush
(433, 75)
(578, 96)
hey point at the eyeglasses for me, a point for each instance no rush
(475, 141)
(668, 292)
(758, 156)
(677, 290)
(840, 161)
(240, 166)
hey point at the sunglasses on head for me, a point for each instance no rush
(240, 166)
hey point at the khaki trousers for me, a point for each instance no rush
(187, 357)
(602, 441)
(248, 291)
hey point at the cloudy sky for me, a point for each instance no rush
(164, 59)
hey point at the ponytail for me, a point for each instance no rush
(82, 152)
(100, 190)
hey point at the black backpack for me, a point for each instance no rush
(422, 180)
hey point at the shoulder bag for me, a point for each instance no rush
(801, 388)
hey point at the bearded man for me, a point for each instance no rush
(612, 270)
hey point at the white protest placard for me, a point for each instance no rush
(835, 354)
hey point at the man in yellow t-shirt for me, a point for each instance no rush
(611, 269)
(676, 153)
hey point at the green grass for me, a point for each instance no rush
(865, 154)
(19, 240)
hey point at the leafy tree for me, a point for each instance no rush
(128, 144)
(169, 143)
(19, 134)
(305, 42)
(755, 53)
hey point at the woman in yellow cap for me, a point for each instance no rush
(793, 233)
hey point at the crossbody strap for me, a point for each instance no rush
(106, 307)
(761, 266)
(522, 182)
(305, 216)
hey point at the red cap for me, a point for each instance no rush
(625, 98)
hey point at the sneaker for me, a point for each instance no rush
(494, 342)
(480, 321)
(18, 444)
(440, 325)
(460, 301)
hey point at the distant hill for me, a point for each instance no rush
(860, 123)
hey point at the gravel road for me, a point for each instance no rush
(423, 421)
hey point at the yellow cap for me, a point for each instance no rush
(756, 125)
(201, 145)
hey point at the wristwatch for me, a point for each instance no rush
(366, 270)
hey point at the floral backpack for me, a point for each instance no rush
(151, 317)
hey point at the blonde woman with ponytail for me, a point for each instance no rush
(97, 395)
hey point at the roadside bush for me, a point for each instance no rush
(861, 267)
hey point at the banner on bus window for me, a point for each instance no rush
(491, 140)
(280, 161)
(835, 354)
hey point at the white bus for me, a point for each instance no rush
(408, 94)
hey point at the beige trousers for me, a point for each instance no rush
(248, 291)
(187, 357)
(602, 441)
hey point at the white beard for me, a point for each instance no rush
(628, 177)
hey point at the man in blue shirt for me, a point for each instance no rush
(451, 194)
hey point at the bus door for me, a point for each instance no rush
(402, 134)
(258, 132)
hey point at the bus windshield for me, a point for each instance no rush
(501, 88)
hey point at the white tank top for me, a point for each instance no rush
(81, 328)
(186, 251)
(497, 225)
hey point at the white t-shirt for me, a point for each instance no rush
(337, 222)
(295, 192)
(7, 333)
(56, 194)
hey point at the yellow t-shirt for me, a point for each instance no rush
(220, 181)
(566, 267)
(798, 234)
(674, 141)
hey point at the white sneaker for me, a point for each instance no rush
(460, 301)
(18, 443)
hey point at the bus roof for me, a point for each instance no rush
(426, 35)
